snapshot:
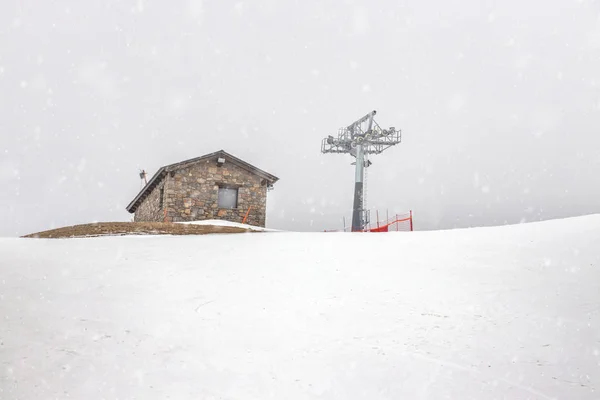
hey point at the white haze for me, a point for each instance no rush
(499, 104)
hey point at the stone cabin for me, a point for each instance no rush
(213, 186)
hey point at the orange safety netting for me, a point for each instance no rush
(399, 222)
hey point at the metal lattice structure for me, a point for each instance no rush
(375, 140)
(359, 139)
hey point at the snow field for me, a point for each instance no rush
(489, 313)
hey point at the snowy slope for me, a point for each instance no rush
(492, 313)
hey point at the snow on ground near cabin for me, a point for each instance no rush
(492, 313)
(219, 222)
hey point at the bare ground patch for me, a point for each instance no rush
(133, 228)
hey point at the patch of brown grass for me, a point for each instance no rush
(133, 228)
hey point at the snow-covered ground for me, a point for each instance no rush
(219, 222)
(492, 313)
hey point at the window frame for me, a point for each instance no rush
(227, 188)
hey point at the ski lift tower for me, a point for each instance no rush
(359, 139)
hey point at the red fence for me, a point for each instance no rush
(396, 223)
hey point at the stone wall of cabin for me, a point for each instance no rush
(191, 194)
(150, 210)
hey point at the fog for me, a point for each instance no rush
(498, 103)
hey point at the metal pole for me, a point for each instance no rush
(358, 222)
(357, 217)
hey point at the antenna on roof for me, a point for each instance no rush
(143, 178)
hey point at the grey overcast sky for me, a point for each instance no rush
(498, 101)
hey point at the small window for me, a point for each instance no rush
(161, 195)
(228, 197)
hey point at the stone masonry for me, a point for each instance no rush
(190, 193)
(149, 210)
